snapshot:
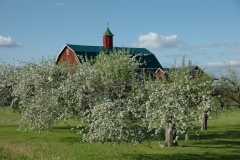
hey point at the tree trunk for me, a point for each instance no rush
(204, 120)
(170, 137)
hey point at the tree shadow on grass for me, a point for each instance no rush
(224, 138)
(214, 144)
(207, 156)
(226, 132)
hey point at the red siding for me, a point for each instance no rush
(161, 74)
(108, 41)
(67, 55)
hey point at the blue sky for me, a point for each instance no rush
(204, 31)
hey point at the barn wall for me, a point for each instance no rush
(192, 72)
(67, 55)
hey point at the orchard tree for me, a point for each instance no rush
(38, 87)
(50, 93)
(171, 106)
(228, 88)
(174, 105)
(107, 94)
(202, 78)
(8, 72)
(117, 114)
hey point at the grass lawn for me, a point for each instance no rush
(220, 141)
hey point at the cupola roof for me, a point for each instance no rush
(107, 32)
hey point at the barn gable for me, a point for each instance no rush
(67, 54)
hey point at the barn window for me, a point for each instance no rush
(67, 50)
(195, 73)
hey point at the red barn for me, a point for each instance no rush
(72, 53)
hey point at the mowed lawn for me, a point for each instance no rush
(220, 141)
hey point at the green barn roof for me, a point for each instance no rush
(93, 51)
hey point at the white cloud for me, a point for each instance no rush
(157, 42)
(217, 45)
(7, 42)
(60, 4)
(220, 68)
(235, 51)
(216, 64)
(220, 64)
(210, 45)
(186, 46)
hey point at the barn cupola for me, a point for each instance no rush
(108, 39)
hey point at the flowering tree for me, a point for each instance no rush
(174, 105)
(8, 81)
(107, 94)
(227, 89)
(117, 115)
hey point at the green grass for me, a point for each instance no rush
(220, 141)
